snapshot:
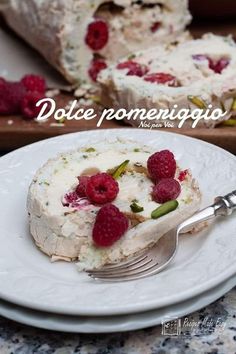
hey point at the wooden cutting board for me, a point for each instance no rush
(16, 132)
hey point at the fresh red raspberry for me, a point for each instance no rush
(28, 104)
(110, 226)
(34, 83)
(162, 164)
(97, 34)
(96, 66)
(167, 189)
(72, 200)
(81, 188)
(134, 69)
(11, 95)
(161, 78)
(102, 188)
(69, 198)
(219, 65)
(155, 26)
(182, 175)
(2, 81)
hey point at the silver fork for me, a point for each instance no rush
(152, 261)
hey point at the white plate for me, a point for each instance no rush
(29, 279)
(107, 324)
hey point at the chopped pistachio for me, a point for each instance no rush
(136, 150)
(95, 99)
(222, 107)
(164, 209)
(197, 102)
(62, 120)
(131, 56)
(120, 169)
(233, 108)
(44, 182)
(136, 208)
(229, 123)
(91, 149)
(85, 156)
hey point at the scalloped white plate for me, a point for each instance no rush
(111, 324)
(29, 279)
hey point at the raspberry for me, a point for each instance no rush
(155, 26)
(81, 188)
(167, 189)
(134, 69)
(102, 188)
(70, 198)
(110, 225)
(217, 66)
(161, 78)
(34, 83)
(11, 95)
(161, 165)
(97, 34)
(96, 66)
(28, 104)
(182, 175)
(2, 81)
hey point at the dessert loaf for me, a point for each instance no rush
(62, 221)
(194, 74)
(80, 37)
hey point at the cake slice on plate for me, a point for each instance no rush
(194, 74)
(80, 37)
(102, 203)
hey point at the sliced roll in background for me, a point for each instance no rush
(194, 74)
(81, 37)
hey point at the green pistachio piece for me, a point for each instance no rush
(95, 99)
(91, 149)
(164, 209)
(229, 123)
(120, 169)
(197, 101)
(222, 107)
(233, 108)
(136, 208)
(131, 56)
(62, 120)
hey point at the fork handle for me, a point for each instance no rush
(223, 206)
(228, 203)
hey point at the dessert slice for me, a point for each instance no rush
(80, 37)
(104, 202)
(194, 74)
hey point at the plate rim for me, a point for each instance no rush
(125, 308)
(129, 321)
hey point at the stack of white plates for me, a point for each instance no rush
(55, 296)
